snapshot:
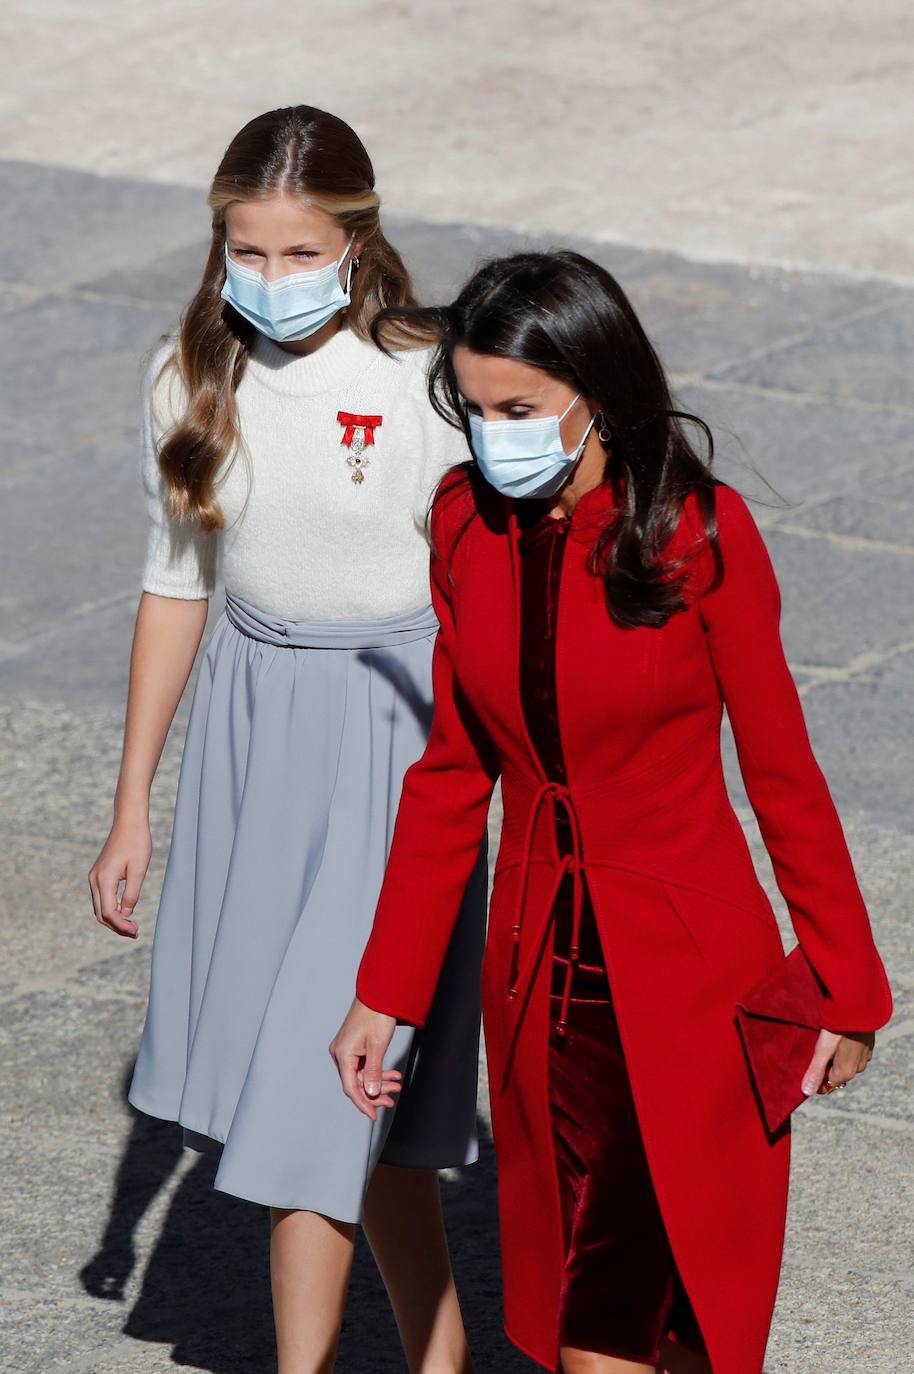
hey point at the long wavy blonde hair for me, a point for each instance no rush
(297, 150)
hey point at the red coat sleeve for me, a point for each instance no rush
(440, 825)
(788, 793)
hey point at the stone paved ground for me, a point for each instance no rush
(116, 1255)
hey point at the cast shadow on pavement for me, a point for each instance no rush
(205, 1290)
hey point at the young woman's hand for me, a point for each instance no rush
(837, 1059)
(358, 1050)
(124, 859)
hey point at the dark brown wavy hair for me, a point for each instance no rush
(568, 316)
(306, 152)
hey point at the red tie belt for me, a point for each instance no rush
(523, 962)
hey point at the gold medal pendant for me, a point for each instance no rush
(358, 435)
(357, 459)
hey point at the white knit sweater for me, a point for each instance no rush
(301, 539)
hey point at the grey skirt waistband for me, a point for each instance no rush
(384, 633)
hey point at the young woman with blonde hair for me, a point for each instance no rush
(283, 445)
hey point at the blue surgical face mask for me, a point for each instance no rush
(291, 307)
(524, 458)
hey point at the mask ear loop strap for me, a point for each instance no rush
(579, 446)
(349, 268)
(583, 439)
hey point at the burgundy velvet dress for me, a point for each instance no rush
(621, 1293)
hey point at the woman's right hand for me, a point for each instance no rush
(124, 859)
(358, 1050)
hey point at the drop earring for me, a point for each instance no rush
(604, 433)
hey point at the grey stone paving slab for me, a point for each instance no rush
(884, 859)
(39, 1334)
(121, 970)
(839, 1322)
(58, 766)
(90, 640)
(861, 731)
(707, 317)
(87, 563)
(846, 1300)
(168, 281)
(839, 604)
(804, 447)
(72, 369)
(83, 652)
(67, 225)
(832, 1156)
(870, 358)
(48, 1259)
(880, 510)
(75, 1065)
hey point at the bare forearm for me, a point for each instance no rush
(165, 643)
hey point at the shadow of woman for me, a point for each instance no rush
(206, 1288)
(151, 1155)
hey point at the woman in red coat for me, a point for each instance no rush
(601, 599)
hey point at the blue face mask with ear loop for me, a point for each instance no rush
(291, 307)
(525, 458)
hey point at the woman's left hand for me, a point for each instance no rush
(837, 1059)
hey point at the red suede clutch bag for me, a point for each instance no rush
(780, 1020)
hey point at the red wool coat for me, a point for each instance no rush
(685, 925)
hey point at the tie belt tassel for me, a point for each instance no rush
(570, 863)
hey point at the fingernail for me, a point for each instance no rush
(372, 1089)
(809, 1088)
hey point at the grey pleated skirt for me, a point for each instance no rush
(298, 740)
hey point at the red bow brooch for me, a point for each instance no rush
(357, 437)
